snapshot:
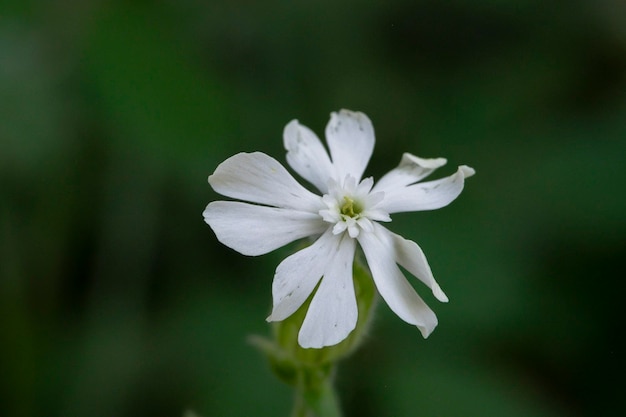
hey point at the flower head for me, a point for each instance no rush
(348, 210)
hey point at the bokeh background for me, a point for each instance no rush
(117, 300)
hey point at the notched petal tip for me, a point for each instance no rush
(350, 137)
(430, 163)
(439, 294)
(427, 331)
(272, 317)
(467, 171)
(290, 134)
(348, 113)
(221, 173)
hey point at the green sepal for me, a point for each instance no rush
(286, 331)
(310, 371)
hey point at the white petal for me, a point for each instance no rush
(258, 178)
(411, 257)
(350, 137)
(333, 312)
(255, 230)
(298, 274)
(307, 156)
(364, 187)
(411, 170)
(426, 195)
(391, 283)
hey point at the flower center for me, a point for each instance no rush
(351, 208)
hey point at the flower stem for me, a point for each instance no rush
(315, 395)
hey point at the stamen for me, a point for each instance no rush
(348, 207)
(351, 208)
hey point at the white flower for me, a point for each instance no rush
(349, 210)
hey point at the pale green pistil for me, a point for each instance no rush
(351, 208)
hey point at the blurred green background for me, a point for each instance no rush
(117, 300)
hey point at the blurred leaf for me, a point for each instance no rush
(32, 111)
(157, 98)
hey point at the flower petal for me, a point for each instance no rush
(410, 170)
(391, 283)
(411, 257)
(426, 195)
(333, 312)
(259, 178)
(350, 137)
(298, 274)
(307, 156)
(255, 230)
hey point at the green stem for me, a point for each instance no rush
(300, 408)
(315, 395)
